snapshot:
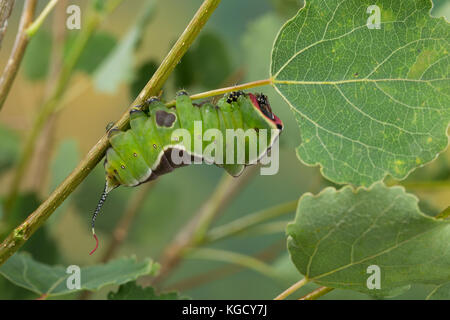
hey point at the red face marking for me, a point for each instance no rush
(277, 121)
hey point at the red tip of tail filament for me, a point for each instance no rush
(96, 245)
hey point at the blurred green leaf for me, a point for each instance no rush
(65, 160)
(118, 65)
(185, 73)
(23, 206)
(98, 47)
(9, 146)
(36, 60)
(131, 291)
(143, 74)
(337, 235)
(287, 8)
(441, 292)
(369, 102)
(207, 63)
(41, 278)
(212, 60)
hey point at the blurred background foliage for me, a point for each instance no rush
(119, 59)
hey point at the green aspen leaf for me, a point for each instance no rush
(144, 72)
(98, 47)
(118, 66)
(441, 292)
(132, 291)
(212, 60)
(339, 236)
(64, 161)
(24, 271)
(369, 102)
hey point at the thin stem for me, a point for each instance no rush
(444, 214)
(194, 231)
(23, 232)
(6, 8)
(220, 91)
(248, 221)
(316, 293)
(18, 51)
(239, 259)
(34, 27)
(292, 289)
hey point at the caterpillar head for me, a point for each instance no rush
(261, 104)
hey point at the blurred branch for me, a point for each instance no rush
(265, 255)
(44, 148)
(243, 260)
(6, 7)
(194, 232)
(316, 293)
(34, 27)
(22, 233)
(93, 21)
(292, 289)
(18, 50)
(248, 221)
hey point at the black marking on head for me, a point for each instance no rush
(135, 110)
(264, 105)
(234, 95)
(152, 99)
(165, 119)
(113, 132)
(182, 93)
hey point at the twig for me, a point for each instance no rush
(316, 293)
(292, 289)
(220, 91)
(194, 232)
(6, 7)
(34, 27)
(15, 58)
(23, 232)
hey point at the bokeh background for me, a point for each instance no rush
(234, 47)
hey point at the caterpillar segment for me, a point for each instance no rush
(144, 151)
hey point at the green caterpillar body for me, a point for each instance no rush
(145, 150)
